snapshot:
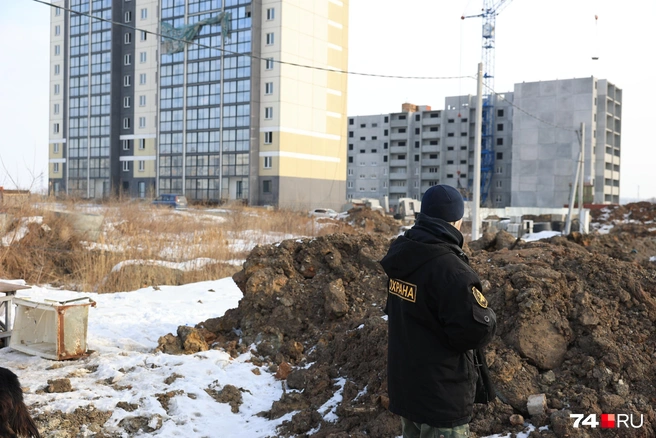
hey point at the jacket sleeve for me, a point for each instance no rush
(468, 322)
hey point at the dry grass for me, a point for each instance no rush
(55, 252)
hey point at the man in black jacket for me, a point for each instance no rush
(437, 316)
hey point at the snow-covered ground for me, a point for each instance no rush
(123, 330)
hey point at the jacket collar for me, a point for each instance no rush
(431, 230)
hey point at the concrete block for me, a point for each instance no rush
(537, 404)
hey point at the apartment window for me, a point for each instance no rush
(417, 144)
(142, 57)
(374, 125)
(363, 138)
(373, 137)
(373, 151)
(450, 120)
(57, 30)
(126, 166)
(449, 162)
(463, 175)
(499, 169)
(55, 167)
(416, 158)
(417, 117)
(450, 134)
(127, 81)
(362, 163)
(142, 100)
(464, 120)
(401, 157)
(384, 184)
(434, 142)
(499, 126)
(463, 134)
(385, 145)
(351, 134)
(56, 88)
(142, 165)
(57, 68)
(142, 143)
(57, 50)
(499, 184)
(350, 172)
(126, 102)
(268, 88)
(349, 185)
(386, 132)
(386, 119)
(269, 64)
(499, 155)
(127, 59)
(144, 13)
(142, 79)
(55, 148)
(500, 113)
(362, 151)
(142, 122)
(449, 175)
(58, 13)
(463, 161)
(498, 198)
(363, 125)
(268, 162)
(434, 128)
(432, 170)
(269, 38)
(126, 123)
(270, 14)
(463, 148)
(128, 38)
(126, 145)
(144, 35)
(350, 159)
(499, 141)
(350, 147)
(350, 121)
(268, 112)
(128, 16)
(266, 186)
(268, 137)
(434, 115)
(401, 130)
(432, 157)
(449, 148)
(417, 131)
(55, 128)
(402, 117)
(384, 158)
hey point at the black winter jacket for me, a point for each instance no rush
(437, 316)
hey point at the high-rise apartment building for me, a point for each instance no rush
(534, 146)
(401, 155)
(546, 141)
(225, 116)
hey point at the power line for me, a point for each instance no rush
(250, 55)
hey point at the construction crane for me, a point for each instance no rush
(491, 8)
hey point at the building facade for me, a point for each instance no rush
(546, 141)
(401, 155)
(221, 118)
(534, 141)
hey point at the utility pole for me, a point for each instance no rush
(476, 199)
(582, 161)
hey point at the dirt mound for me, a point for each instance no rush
(643, 212)
(373, 221)
(574, 324)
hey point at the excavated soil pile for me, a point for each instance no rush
(373, 221)
(574, 325)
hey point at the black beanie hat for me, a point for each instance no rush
(443, 202)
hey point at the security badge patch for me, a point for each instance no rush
(480, 299)
(402, 289)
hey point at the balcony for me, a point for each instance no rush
(398, 176)
(430, 135)
(429, 162)
(393, 189)
(398, 150)
(398, 163)
(430, 176)
(396, 123)
(430, 148)
(399, 136)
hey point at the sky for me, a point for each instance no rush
(536, 40)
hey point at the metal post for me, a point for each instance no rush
(582, 177)
(476, 199)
